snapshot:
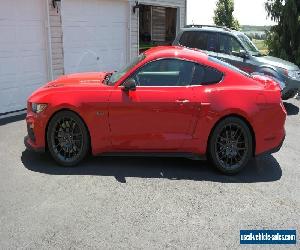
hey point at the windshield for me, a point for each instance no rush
(248, 44)
(116, 76)
(228, 66)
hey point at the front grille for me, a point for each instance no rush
(30, 133)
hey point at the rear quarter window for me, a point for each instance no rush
(204, 75)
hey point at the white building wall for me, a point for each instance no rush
(57, 34)
(56, 40)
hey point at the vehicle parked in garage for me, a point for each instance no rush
(237, 49)
(169, 101)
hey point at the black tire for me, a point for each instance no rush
(285, 97)
(288, 95)
(230, 145)
(68, 139)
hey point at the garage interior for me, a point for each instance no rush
(157, 26)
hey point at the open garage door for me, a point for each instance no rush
(157, 26)
(94, 34)
(23, 51)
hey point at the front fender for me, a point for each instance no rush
(90, 105)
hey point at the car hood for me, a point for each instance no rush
(277, 62)
(79, 79)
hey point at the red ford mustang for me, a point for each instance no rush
(170, 101)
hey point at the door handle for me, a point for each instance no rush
(183, 101)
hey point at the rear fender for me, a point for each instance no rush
(217, 108)
(273, 73)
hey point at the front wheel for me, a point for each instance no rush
(289, 94)
(67, 138)
(230, 145)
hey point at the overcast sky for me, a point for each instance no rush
(251, 12)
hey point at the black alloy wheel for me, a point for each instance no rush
(230, 146)
(68, 139)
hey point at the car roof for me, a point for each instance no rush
(185, 53)
(210, 28)
(174, 51)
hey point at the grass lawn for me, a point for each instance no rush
(260, 44)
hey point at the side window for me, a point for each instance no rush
(212, 42)
(212, 76)
(199, 40)
(229, 45)
(164, 65)
(206, 75)
(165, 72)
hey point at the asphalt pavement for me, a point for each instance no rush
(143, 203)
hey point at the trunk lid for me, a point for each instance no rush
(268, 81)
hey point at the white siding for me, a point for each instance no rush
(56, 41)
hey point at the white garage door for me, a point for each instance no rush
(94, 34)
(23, 53)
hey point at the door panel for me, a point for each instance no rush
(151, 118)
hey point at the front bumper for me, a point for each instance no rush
(291, 88)
(36, 127)
(31, 146)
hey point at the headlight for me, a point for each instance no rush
(38, 107)
(294, 74)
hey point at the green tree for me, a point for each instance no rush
(224, 15)
(283, 40)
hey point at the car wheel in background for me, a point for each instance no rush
(289, 94)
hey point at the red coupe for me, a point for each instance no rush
(168, 101)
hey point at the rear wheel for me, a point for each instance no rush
(67, 138)
(230, 145)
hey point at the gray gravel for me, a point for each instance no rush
(149, 203)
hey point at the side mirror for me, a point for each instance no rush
(129, 85)
(243, 54)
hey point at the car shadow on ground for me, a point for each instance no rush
(262, 169)
(291, 109)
